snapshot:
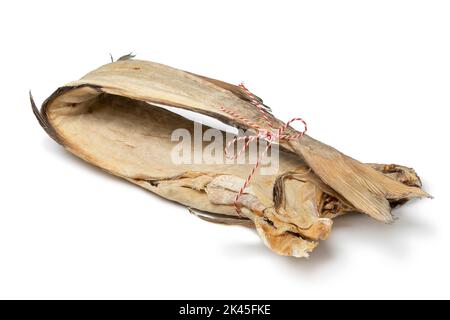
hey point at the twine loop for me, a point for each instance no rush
(271, 136)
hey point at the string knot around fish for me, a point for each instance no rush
(270, 135)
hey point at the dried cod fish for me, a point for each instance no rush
(113, 119)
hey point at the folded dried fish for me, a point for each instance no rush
(116, 118)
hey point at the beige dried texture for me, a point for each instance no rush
(112, 119)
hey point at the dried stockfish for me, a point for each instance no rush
(116, 118)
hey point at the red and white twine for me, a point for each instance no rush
(271, 136)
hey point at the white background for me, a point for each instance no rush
(372, 78)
